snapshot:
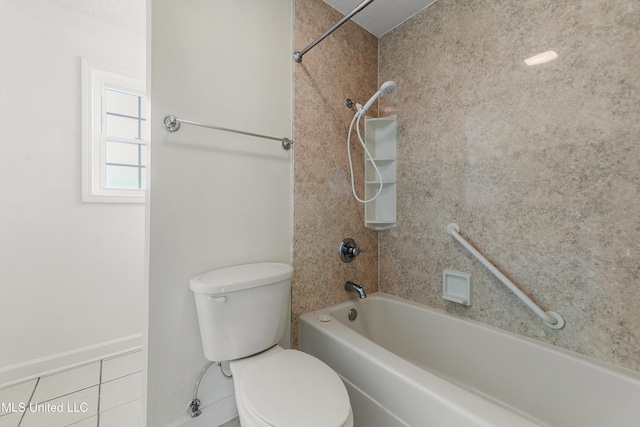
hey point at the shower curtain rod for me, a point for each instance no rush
(172, 124)
(297, 56)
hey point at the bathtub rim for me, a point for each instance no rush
(582, 358)
(361, 347)
(446, 397)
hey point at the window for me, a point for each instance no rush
(115, 135)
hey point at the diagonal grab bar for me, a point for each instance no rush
(550, 318)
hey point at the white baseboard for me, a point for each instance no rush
(23, 371)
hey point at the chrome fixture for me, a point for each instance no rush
(349, 250)
(193, 408)
(297, 56)
(172, 124)
(352, 287)
(353, 313)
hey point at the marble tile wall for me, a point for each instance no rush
(540, 165)
(344, 65)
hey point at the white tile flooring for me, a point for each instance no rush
(106, 393)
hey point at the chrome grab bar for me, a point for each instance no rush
(172, 124)
(550, 318)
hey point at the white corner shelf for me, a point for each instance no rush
(380, 138)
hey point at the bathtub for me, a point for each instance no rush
(405, 364)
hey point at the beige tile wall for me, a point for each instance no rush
(343, 66)
(540, 166)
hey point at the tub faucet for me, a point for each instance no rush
(352, 287)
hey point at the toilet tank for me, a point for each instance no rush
(242, 310)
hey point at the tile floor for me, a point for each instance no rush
(106, 393)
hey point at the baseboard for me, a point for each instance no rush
(23, 371)
(216, 414)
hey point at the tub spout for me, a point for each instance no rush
(352, 287)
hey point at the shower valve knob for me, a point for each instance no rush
(349, 250)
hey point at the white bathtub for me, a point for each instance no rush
(405, 364)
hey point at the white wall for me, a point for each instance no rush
(217, 199)
(71, 274)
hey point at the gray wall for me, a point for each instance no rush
(216, 199)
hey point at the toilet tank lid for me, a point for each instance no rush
(239, 277)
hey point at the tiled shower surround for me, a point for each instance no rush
(540, 165)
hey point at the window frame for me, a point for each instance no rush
(96, 78)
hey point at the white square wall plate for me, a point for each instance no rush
(456, 287)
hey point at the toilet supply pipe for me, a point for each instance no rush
(193, 409)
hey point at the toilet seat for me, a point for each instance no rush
(290, 389)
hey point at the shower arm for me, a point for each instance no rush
(297, 56)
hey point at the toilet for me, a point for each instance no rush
(242, 313)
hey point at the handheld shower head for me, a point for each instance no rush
(388, 87)
(385, 89)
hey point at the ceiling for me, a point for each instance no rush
(125, 14)
(381, 16)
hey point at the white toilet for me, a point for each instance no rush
(242, 312)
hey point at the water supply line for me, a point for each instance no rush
(550, 318)
(193, 409)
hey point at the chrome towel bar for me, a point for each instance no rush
(172, 124)
(550, 318)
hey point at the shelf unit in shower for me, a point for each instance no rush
(380, 138)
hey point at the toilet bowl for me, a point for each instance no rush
(289, 388)
(242, 314)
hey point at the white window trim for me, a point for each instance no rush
(95, 76)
